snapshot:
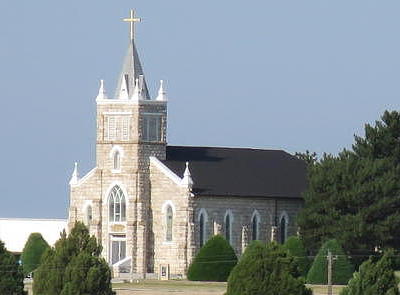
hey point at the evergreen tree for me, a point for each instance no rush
(73, 266)
(342, 269)
(34, 248)
(11, 276)
(214, 261)
(374, 278)
(296, 248)
(353, 197)
(268, 270)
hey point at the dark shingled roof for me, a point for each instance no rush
(239, 171)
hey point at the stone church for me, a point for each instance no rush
(153, 205)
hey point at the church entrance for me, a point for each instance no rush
(117, 248)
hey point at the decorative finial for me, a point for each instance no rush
(136, 92)
(162, 95)
(102, 91)
(123, 94)
(187, 180)
(75, 176)
(132, 19)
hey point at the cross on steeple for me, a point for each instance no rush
(132, 19)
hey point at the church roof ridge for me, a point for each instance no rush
(227, 148)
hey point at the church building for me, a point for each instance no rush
(153, 205)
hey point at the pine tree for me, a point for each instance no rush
(214, 262)
(268, 270)
(33, 251)
(296, 248)
(11, 276)
(374, 278)
(353, 197)
(74, 266)
(342, 269)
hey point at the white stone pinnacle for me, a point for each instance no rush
(75, 175)
(162, 95)
(135, 93)
(123, 94)
(187, 180)
(102, 91)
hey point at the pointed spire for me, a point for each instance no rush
(102, 91)
(162, 95)
(75, 176)
(187, 180)
(132, 70)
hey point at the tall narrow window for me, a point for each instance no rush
(89, 215)
(169, 223)
(202, 229)
(151, 127)
(254, 227)
(228, 228)
(282, 230)
(117, 160)
(117, 205)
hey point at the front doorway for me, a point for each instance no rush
(117, 248)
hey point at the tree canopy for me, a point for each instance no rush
(34, 248)
(73, 266)
(214, 262)
(354, 197)
(296, 248)
(11, 276)
(266, 269)
(374, 278)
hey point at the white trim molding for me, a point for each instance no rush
(167, 172)
(166, 204)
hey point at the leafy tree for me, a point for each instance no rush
(374, 278)
(73, 266)
(268, 270)
(353, 197)
(214, 261)
(11, 276)
(296, 248)
(342, 269)
(34, 248)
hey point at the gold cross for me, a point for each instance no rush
(132, 21)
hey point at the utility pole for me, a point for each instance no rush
(330, 258)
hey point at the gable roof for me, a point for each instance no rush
(240, 172)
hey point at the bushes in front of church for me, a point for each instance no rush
(374, 277)
(73, 266)
(266, 269)
(214, 261)
(296, 248)
(11, 276)
(342, 269)
(34, 248)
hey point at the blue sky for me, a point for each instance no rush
(292, 75)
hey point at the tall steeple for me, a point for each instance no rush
(131, 68)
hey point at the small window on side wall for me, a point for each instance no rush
(169, 223)
(117, 161)
(89, 216)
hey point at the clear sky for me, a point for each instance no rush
(292, 75)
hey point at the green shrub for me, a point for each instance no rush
(73, 266)
(374, 278)
(11, 276)
(268, 270)
(34, 248)
(214, 261)
(342, 269)
(296, 248)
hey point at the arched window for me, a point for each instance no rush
(117, 205)
(117, 161)
(89, 216)
(228, 227)
(202, 225)
(283, 229)
(169, 222)
(255, 227)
